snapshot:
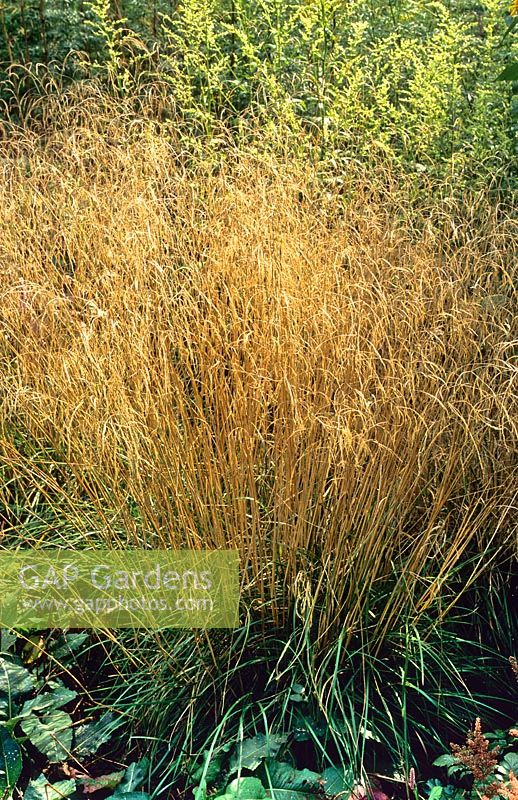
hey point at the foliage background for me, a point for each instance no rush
(413, 80)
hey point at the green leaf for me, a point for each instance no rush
(51, 734)
(213, 769)
(246, 789)
(308, 726)
(133, 796)
(67, 644)
(133, 778)
(5, 711)
(15, 679)
(435, 793)
(508, 764)
(337, 780)
(7, 640)
(457, 769)
(288, 783)
(41, 789)
(10, 763)
(298, 693)
(446, 760)
(510, 73)
(498, 737)
(57, 697)
(200, 792)
(90, 737)
(255, 750)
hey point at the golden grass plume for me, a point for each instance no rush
(232, 355)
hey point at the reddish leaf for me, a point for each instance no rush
(377, 794)
(102, 782)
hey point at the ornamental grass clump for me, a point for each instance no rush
(212, 348)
